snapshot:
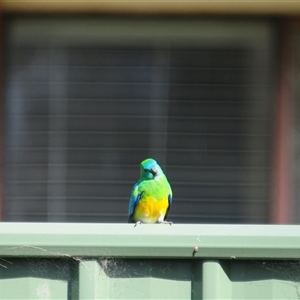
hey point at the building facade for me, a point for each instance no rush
(210, 91)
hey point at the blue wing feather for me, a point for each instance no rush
(134, 199)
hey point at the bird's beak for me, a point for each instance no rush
(154, 171)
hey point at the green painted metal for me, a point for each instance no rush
(220, 286)
(123, 261)
(154, 240)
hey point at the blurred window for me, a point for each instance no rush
(87, 99)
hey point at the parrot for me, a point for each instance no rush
(151, 196)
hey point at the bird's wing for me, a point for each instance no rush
(134, 199)
(170, 198)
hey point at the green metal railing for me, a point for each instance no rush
(123, 261)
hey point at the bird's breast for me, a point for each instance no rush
(150, 210)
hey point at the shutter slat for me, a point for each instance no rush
(81, 116)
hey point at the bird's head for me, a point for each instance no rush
(150, 169)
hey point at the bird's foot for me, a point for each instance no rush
(166, 222)
(138, 223)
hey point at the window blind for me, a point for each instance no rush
(86, 100)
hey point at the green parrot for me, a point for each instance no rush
(151, 196)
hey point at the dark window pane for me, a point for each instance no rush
(82, 111)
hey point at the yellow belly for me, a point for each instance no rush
(150, 211)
